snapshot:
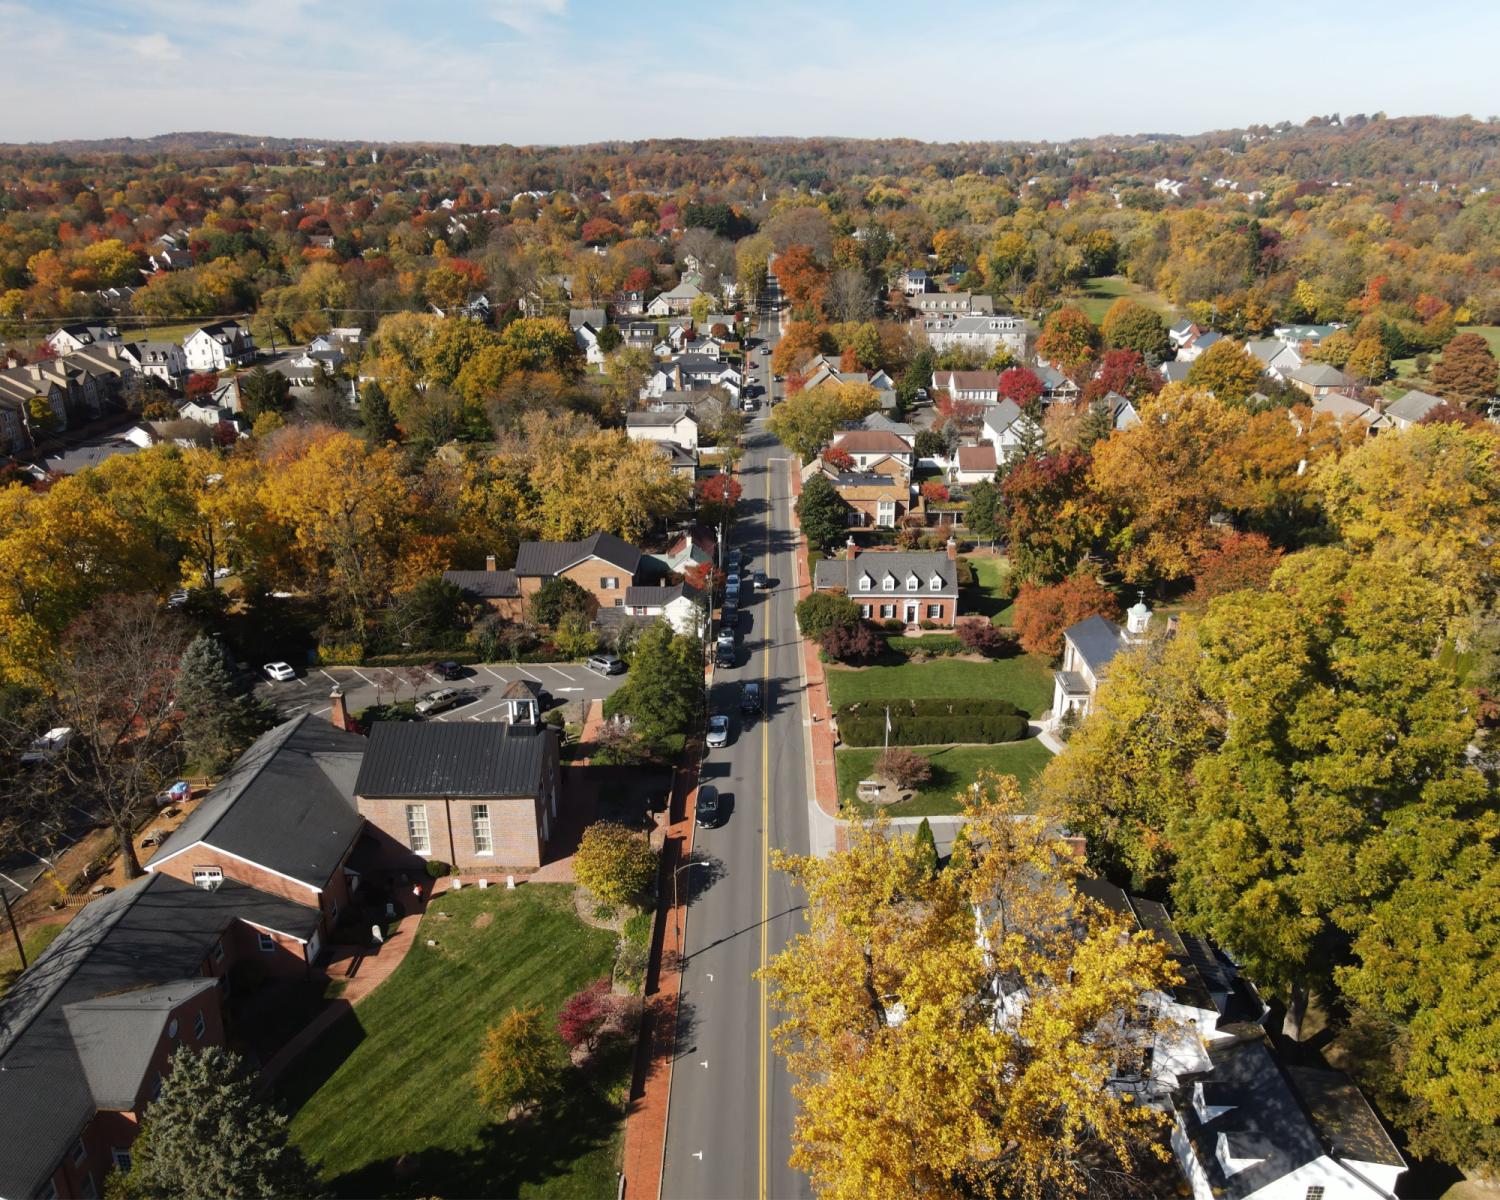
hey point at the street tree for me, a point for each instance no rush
(219, 718)
(615, 863)
(806, 422)
(822, 513)
(663, 695)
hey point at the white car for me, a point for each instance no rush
(279, 671)
(718, 731)
(436, 702)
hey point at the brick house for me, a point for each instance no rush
(875, 500)
(496, 589)
(603, 565)
(909, 586)
(477, 795)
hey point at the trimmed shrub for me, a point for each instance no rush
(932, 644)
(932, 723)
(856, 643)
(437, 868)
(904, 768)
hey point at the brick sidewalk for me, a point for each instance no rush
(825, 776)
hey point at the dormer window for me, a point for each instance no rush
(208, 878)
(936, 583)
(865, 583)
(888, 584)
(912, 582)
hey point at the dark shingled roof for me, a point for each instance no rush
(845, 573)
(551, 558)
(1097, 641)
(287, 804)
(157, 930)
(1343, 1117)
(116, 1035)
(417, 758)
(646, 597)
(486, 585)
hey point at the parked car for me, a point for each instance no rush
(436, 702)
(280, 672)
(48, 746)
(729, 615)
(724, 654)
(708, 805)
(764, 350)
(177, 599)
(759, 579)
(750, 698)
(605, 664)
(448, 670)
(718, 731)
(748, 404)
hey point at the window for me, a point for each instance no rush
(172, 1028)
(200, 1026)
(1315, 1192)
(913, 583)
(218, 952)
(864, 610)
(416, 829)
(267, 943)
(609, 582)
(934, 612)
(865, 583)
(885, 512)
(208, 878)
(887, 611)
(888, 584)
(936, 583)
(481, 817)
(122, 1159)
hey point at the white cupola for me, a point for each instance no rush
(1138, 618)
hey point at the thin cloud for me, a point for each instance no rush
(528, 16)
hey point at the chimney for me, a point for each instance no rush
(952, 548)
(1076, 845)
(489, 562)
(850, 549)
(339, 717)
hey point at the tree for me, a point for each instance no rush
(375, 414)
(206, 1134)
(556, 599)
(1125, 372)
(575, 636)
(429, 614)
(1130, 325)
(263, 391)
(1020, 385)
(518, 1065)
(219, 718)
(822, 513)
(803, 280)
(818, 612)
(852, 643)
(926, 852)
(615, 863)
(1043, 612)
(799, 342)
(935, 492)
(717, 497)
(905, 768)
(1226, 370)
(836, 458)
(1054, 516)
(1070, 340)
(980, 637)
(112, 684)
(930, 443)
(945, 1099)
(806, 422)
(611, 339)
(1369, 362)
(985, 515)
(1240, 560)
(664, 694)
(849, 296)
(1467, 372)
(585, 1015)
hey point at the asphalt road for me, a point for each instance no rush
(730, 1123)
(480, 687)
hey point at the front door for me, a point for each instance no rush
(911, 613)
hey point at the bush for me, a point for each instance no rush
(821, 611)
(980, 637)
(930, 644)
(616, 864)
(893, 625)
(856, 643)
(932, 723)
(437, 868)
(904, 768)
(341, 654)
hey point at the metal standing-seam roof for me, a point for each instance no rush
(1096, 640)
(485, 758)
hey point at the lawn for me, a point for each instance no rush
(987, 597)
(954, 769)
(35, 940)
(1025, 679)
(383, 1101)
(1103, 290)
(156, 333)
(1405, 369)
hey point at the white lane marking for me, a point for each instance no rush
(476, 715)
(323, 711)
(366, 678)
(563, 673)
(496, 674)
(333, 679)
(570, 689)
(13, 883)
(698, 1154)
(529, 675)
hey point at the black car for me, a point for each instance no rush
(750, 698)
(708, 805)
(724, 654)
(448, 670)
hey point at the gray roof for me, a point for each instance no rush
(1175, 372)
(287, 804)
(1316, 374)
(1414, 405)
(487, 585)
(154, 931)
(550, 558)
(656, 597)
(592, 317)
(844, 573)
(657, 420)
(420, 758)
(1096, 640)
(1343, 1117)
(117, 1035)
(1002, 416)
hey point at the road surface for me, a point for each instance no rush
(730, 1123)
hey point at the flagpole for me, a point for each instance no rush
(887, 729)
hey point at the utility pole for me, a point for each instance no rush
(14, 932)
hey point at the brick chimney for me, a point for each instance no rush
(339, 716)
(952, 548)
(489, 563)
(850, 549)
(1076, 845)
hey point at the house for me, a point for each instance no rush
(205, 412)
(674, 425)
(497, 590)
(680, 605)
(915, 281)
(1183, 333)
(1319, 379)
(219, 347)
(1195, 346)
(1277, 359)
(1122, 413)
(885, 390)
(69, 338)
(1346, 409)
(1175, 372)
(639, 335)
(183, 433)
(345, 335)
(587, 324)
(1253, 1128)
(683, 462)
(1008, 429)
(876, 498)
(164, 361)
(628, 303)
(878, 421)
(1055, 385)
(714, 319)
(1088, 649)
(691, 549)
(964, 304)
(1411, 408)
(476, 307)
(910, 586)
(678, 300)
(870, 448)
(603, 565)
(980, 333)
(974, 464)
(690, 371)
(36, 396)
(168, 258)
(1304, 335)
(977, 387)
(479, 795)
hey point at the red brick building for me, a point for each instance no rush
(896, 585)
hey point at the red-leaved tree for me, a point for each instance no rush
(855, 643)
(1239, 561)
(1125, 372)
(1044, 611)
(980, 637)
(717, 496)
(584, 1015)
(705, 577)
(201, 384)
(836, 458)
(1020, 385)
(934, 492)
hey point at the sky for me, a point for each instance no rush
(563, 71)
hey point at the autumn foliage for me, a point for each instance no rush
(1020, 385)
(1043, 611)
(1240, 560)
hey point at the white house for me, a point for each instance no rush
(974, 464)
(219, 347)
(678, 300)
(1277, 359)
(1088, 649)
(1007, 428)
(676, 426)
(1195, 346)
(679, 604)
(157, 360)
(691, 371)
(915, 281)
(1184, 332)
(980, 387)
(1122, 413)
(984, 334)
(954, 304)
(71, 338)
(587, 324)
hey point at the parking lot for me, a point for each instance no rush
(479, 689)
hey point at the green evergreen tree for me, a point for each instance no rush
(263, 391)
(219, 718)
(207, 1135)
(375, 413)
(926, 856)
(664, 693)
(1097, 424)
(985, 515)
(822, 512)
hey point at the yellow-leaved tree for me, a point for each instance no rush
(956, 1034)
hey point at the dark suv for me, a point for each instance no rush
(750, 699)
(708, 805)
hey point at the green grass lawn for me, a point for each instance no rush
(1025, 679)
(954, 769)
(1405, 369)
(383, 1101)
(34, 940)
(131, 332)
(1103, 290)
(986, 597)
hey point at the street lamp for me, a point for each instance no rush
(681, 867)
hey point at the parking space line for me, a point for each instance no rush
(323, 712)
(474, 716)
(333, 679)
(496, 674)
(529, 675)
(13, 883)
(564, 674)
(366, 678)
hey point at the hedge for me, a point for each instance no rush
(935, 644)
(933, 706)
(932, 731)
